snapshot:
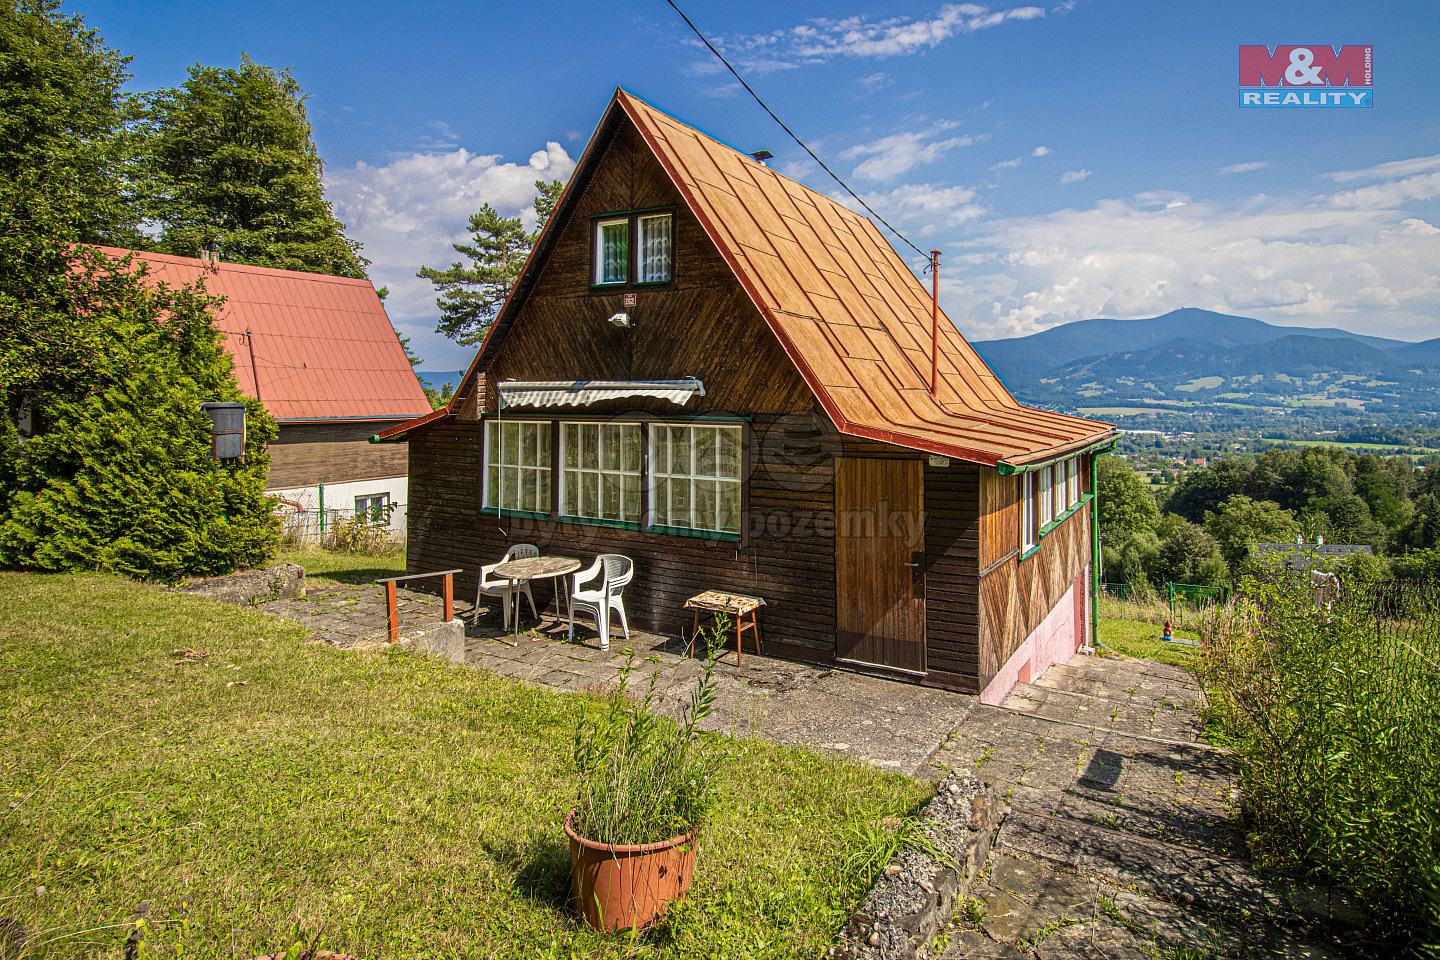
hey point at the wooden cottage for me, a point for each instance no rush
(725, 376)
(320, 353)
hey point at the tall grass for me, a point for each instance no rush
(1333, 705)
(642, 778)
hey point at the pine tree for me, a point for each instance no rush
(471, 296)
(230, 166)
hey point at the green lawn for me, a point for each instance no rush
(326, 566)
(266, 791)
(1135, 638)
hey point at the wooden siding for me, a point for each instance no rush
(789, 558)
(1015, 595)
(701, 325)
(952, 551)
(310, 453)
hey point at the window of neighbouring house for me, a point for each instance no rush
(517, 466)
(650, 259)
(695, 478)
(372, 507)
(600, 471)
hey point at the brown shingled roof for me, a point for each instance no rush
(848, 311)
(323, 347)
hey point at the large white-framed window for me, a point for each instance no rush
(601, 471)
(695, 481)
(656, 259)
(517, 465)
(612, 251)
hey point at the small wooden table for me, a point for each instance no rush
(534, 568)
(735, 604)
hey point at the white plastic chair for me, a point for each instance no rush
(501, 587)
(613, 571)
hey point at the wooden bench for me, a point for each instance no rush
(392, 604)
(735, 604)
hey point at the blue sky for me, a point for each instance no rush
(1072, 159)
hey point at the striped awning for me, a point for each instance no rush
(580, 393)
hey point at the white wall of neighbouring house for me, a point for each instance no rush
(340, 499)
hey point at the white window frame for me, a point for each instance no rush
(643, 258)
(537, 473)
(662, 470)
(1028, 527)
(576, 474)
(1047, 498)
(373, 506)
(599, 267)
(1073, 480)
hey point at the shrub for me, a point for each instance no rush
(1332, 700)
(118, 474)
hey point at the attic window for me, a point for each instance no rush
(620, 262)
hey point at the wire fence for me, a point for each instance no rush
(1403, 618)
(341, 528)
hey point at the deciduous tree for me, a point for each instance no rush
(1242, 521)
(230, 166)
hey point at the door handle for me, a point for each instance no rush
(912, 564)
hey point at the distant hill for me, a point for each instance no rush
(1302, 356)
(1021, 360)
(1427, 352)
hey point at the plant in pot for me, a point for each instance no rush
(644, 793)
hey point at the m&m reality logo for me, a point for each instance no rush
(1317, 75)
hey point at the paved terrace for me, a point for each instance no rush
(1122, 837)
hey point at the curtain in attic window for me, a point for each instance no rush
(655, 249)
(613, 260)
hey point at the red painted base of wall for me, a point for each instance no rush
(1059, 635)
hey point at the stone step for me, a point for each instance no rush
(1035, 908)
(1196, 879)
(1160, 721)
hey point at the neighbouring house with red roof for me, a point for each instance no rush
(727, 377)
(320, 353)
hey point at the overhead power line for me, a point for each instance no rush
(751, 90)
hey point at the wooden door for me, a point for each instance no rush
(880, 563)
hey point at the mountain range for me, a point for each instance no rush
(1192, 355)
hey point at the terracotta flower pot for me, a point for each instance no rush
(627, 886)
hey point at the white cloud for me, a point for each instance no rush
(1006, 164)
(891, 156)
(817, 41)
(1040, 152)
(1382, 195)
(409, 211)
(1074, 176)
(1321, 259)
(876, 81)
(1247, 167)
(923, 207)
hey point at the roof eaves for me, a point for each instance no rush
(400, 431)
